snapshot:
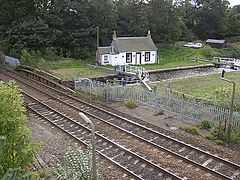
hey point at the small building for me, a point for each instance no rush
(128, 51)
(216, 43)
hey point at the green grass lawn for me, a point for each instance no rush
(207, 87)
(72, 69)
(178, 57)
(68, 69)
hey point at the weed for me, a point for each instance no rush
(130, 104)
(219, 136)
(219, 142)
(210, 137)
(206, 125)
(191, 130)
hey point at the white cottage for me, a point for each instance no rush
(128, 50)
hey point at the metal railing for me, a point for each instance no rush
(184, 108)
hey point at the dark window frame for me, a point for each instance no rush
(105, 59)
(127, 55)
(147, 56)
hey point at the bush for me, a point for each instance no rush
(75, 165)
(211, 137)
(130, 104)
(35, 58)
(191, 130)
(26, 57)
(206, 125)
(16, 150)
(235, 137)
(219, 142)
(219, 135)
(19, 174)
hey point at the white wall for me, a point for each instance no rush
(120, 59)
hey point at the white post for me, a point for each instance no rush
(94, 161)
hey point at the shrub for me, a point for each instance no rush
(26, 57)
(235, 137)
(19, 174)
(219, 142)
(191, 130)
(16, 150)
(210, 137)
(206, 125)
(130, 104)
(75, 165)
(218, 135)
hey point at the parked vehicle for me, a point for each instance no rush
(193, 45)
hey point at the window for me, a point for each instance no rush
(105, 59)
(147, 56)
(129, 58)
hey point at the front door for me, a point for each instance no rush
(138, 58)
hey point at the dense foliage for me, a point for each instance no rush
(16, 150)
(76, 165)
(69, 26)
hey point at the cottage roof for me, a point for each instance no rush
(216, 41)
(104, 50)
(133, 44)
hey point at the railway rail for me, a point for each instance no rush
(133, 164)
(211, 163)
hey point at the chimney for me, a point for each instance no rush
(114, 35)
(149, 34)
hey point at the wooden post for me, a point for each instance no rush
(97, 37)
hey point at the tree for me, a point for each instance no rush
(234, 21)
(211, 19)
(164, 22)
(13, 12)
(16, 149)
(101, 14)
(132, 17)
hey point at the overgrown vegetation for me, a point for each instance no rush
(17, 151)
(220, 136)
(215, 132)
(69, 27)
(76, 165)
(206, 125)
(130, 104)
(65, 68)
(190, 129)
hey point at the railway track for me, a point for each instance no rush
(133, 164)
(220, 167)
